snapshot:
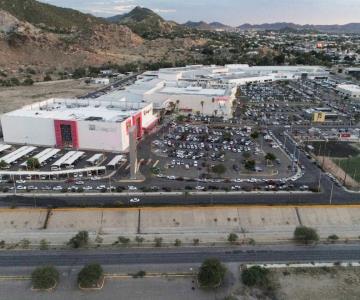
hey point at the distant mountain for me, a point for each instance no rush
(49, 16)
(207, 26)
(198, 25)
(144, 22)
(347, 28)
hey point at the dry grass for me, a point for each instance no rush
(15, 97)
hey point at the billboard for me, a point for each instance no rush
(319, 117)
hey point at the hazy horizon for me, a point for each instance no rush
(231, 12)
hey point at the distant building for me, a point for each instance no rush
(349, 90)
(104, 81)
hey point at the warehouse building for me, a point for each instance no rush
(87, 124)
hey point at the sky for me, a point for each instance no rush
(231, 12)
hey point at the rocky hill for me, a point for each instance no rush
(49, 17)
(42, 36)
(145, 22)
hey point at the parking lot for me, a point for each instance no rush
(214, 154)
(285, 103)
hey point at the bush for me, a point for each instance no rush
(139, 239)
(90, 276)
(211, 273)
(333, 237)
(196, 242)
(123, 240)
(44, 277)
(47, 78)
(255, 276)
(158, 242)
(139, 274)
(81, 239)
(232, 237)
(305, 234)
(44, 244)
(177, 243)
(28, 81)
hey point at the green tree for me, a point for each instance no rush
(44, 277)
(33, 163)
(177, 243)
(305, 234)
(232, 238)
(81, 239)
(90, 276)
(270, 156)
(249, 164)
(211, 273)
(254, 135)
(3, 164)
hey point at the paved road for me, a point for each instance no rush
(257, 254)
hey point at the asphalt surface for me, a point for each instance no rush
(257, 254)
(313, 175)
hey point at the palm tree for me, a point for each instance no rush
(177, 104)
(215, 112)
(202, 106)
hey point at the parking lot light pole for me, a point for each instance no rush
(319, 185)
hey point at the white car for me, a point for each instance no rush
(88, 188)
(200, 188)
(20, 181)
(79, 182)
(134, 200)
(57, 188)
(132, 188)
(21, 187)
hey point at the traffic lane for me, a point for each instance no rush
(123, 200)
(166, 256)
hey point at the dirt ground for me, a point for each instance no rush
(333, 168)
(331, 283)
(12, 98)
